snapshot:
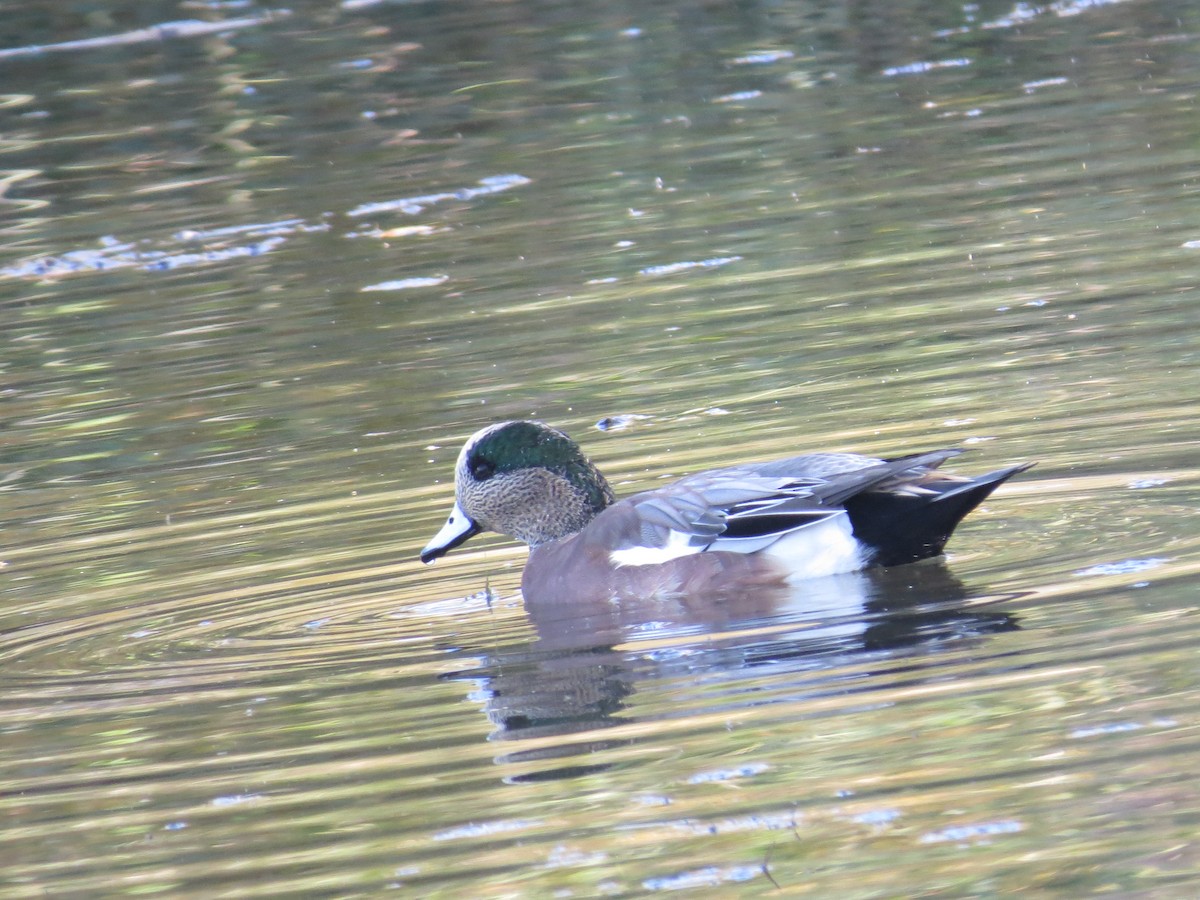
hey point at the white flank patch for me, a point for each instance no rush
(827, 548)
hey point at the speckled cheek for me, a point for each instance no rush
(533, 505)
(483, 502)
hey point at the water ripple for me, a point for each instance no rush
(149, 256)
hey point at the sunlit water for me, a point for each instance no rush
(259, 281)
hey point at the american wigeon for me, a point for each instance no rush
(725, 529)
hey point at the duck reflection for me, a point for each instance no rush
(588, 658)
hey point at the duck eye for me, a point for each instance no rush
(482, 469)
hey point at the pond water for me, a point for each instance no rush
(263, 270)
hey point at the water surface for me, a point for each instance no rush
(264, 270)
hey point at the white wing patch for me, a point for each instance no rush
(678, 544)
(825, 547)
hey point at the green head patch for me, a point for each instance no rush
(514, 446)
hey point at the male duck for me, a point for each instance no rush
(724, 529)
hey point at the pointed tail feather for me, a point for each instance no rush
(903, 526)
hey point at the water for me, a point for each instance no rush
(260, 281)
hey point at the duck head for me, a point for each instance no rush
(524, 479)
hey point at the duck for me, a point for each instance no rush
(723, 530)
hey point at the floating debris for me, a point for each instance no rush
(620, 422)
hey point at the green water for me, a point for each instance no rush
(259, 282)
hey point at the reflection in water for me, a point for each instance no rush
(587, 659)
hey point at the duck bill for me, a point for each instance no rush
(457, 529)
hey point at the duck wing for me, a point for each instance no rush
(746, 509)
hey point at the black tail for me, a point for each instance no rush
(906, 521)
